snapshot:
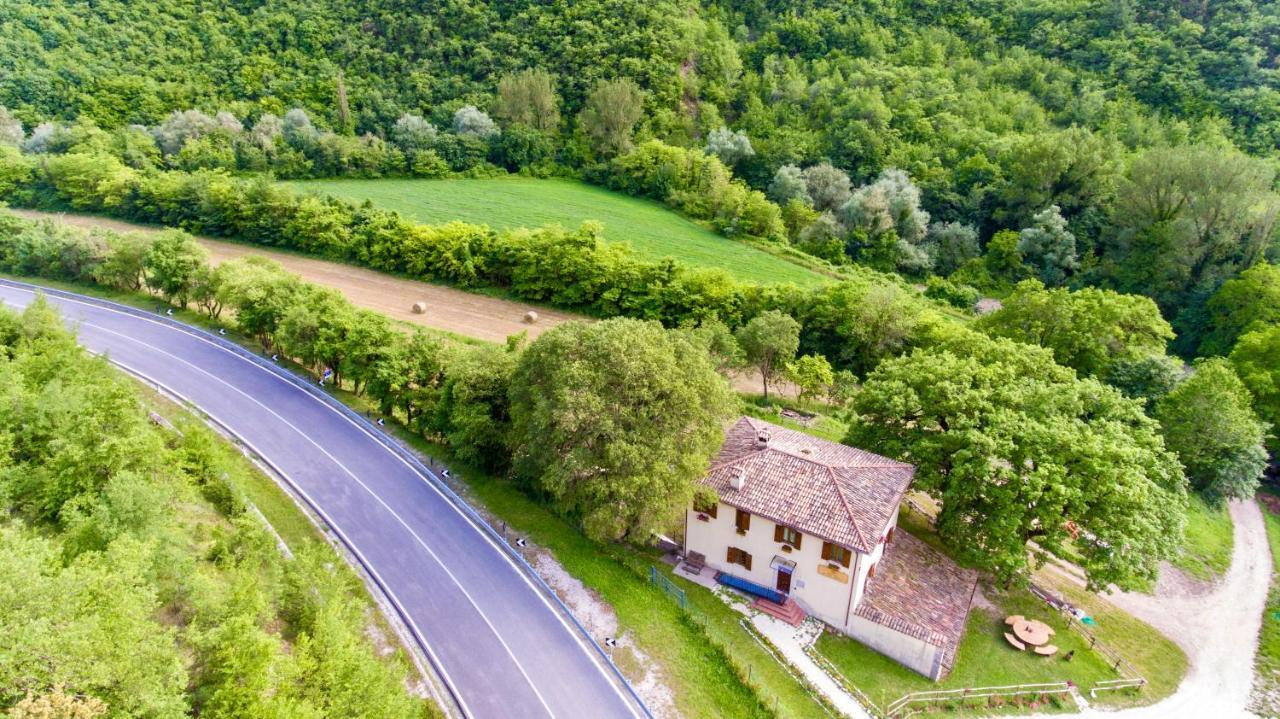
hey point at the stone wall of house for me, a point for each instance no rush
(915, 654)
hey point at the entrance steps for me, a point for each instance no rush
(790, 612)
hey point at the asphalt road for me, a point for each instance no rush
(497, 641)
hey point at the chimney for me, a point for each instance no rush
(762, 439)
(738, 479)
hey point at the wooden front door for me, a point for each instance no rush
(784, 582)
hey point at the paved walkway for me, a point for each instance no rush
(790, 642)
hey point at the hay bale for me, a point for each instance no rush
(530, 317)
(419, 308)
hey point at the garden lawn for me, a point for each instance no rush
(984, 659)
(652, 230)
(1206, 553)
(1161, 662)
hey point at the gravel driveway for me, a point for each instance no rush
(1218, 629)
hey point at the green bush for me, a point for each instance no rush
(961, 296)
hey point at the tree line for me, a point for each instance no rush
(138, 582)
(997, 114)
(852, 322)
(1101, 430)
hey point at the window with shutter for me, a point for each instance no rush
(835, 553)
(743, 521)
(787, 535)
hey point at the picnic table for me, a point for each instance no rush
(1032, 631)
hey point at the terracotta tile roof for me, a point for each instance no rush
(838, 493)
(919, 592)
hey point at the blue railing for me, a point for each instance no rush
(751, 588)
(386, 440)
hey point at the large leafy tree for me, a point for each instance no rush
(473, 412)
(173, 265)
(1208, 421)
(1019, 450)
(1247, 302)
(614, 420)
(1088, 330)
(1254, 359)
(1049, 247)
(610, 114)
(1190, 218)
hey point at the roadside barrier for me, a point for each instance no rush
(389, 442)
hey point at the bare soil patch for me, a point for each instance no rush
(481, 317)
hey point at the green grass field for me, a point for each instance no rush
(1206, 552)
(650, 229)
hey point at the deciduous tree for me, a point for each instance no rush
(1208, 421)
(769, 341)
(1254, 359)
(1016, 447)
(1087, 330)
(614, 420)
(1049, 247)
(610, 113)
(1250, 301)
(529, 98)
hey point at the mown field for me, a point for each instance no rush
(504, 202)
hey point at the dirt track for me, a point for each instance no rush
(449, 309)
(463, 313)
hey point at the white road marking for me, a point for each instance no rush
(358, 481)
(386, 588)
(578, 638)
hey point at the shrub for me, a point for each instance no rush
(961, 296)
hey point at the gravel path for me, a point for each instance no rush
(1217, 629)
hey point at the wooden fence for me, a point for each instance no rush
(901, 707)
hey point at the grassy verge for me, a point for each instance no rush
(713, 666)
(1206, 554)
(1266, 694)
(509, 202)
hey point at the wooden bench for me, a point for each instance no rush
(1013, 619)
(1047, 650)
(694, 562)
(1014, 642)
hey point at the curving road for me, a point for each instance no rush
(499, 643)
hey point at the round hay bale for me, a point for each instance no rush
(530, 317)
(419, 308)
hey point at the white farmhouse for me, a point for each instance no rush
(807, 526)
